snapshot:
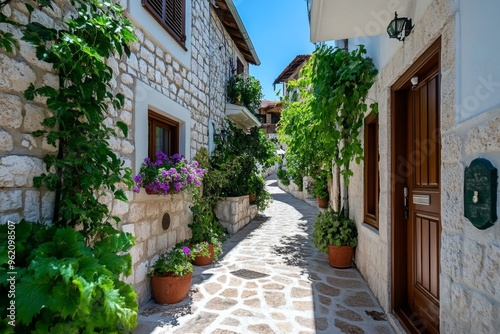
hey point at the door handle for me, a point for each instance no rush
(405, 194)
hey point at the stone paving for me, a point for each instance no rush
(271, 279)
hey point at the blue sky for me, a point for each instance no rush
(279, 30)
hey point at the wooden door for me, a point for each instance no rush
(416, 232)
(423, 215)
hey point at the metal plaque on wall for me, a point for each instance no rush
(480, 193)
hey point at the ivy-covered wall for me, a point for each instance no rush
(197, 87)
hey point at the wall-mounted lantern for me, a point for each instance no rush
(400, 27)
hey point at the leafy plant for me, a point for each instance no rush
(320, 184)
(85, 167)
(62, 283)
(205, 225)
(235, 162)
(169, 175)
(246, 91)
(282, 175)
(257, 187)
(333, 228)
(177, 262)
(323, 126)
(201, 248)
(68, 280)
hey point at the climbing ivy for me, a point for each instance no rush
(323, 126)
(69, 280)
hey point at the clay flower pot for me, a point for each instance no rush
(205, 260)
(252, 198)
(340, 256)
(170, 289)
(322, 203)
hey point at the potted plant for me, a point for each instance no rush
(257, 188)
(245, 91)
(321, 188)
(337, 236)
(171, 275)
(168, 175)
(207, 233)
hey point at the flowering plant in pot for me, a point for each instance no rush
(169, 175)
(337, 236)
(171, 275)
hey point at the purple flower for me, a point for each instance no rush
(177, 186)
(136, 189)
(186, 250)
(138, 178)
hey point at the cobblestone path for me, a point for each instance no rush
(271, 279)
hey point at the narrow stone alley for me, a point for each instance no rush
(271, 279)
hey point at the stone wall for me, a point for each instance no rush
(198, 87)
(294, 190)
(235, 213)
(157, 222)
(470, 258)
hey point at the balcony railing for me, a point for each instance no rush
(269, 128)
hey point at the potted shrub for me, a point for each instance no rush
(171, 275)
(321, 188)
(257, 192)
(207, 233)
(168, 175)
(337, 236)
(245, 91)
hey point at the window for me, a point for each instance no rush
(240, 68)
(171, 15)
(371, 184)
(163, 135)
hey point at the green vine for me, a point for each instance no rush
(69, 281)
(324, 125)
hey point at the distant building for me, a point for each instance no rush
(291, 72)
(270, 114)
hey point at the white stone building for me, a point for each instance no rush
(439, 109)
(175, 77)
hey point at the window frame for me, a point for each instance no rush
(371, 184)
(240, 68)
(157, 120)
(179, 38)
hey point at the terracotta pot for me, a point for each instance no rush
(322, 203)
(170, 289)
(340, 256)
(149, 191)
(252, 198)
(205, 260)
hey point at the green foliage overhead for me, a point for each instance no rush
(323, 126)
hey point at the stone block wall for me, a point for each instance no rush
(157, 222)
(470, 258)
(199, 86)
(20, 152)
(235, 213)
(294, 190)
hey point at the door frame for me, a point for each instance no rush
(399, 114)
